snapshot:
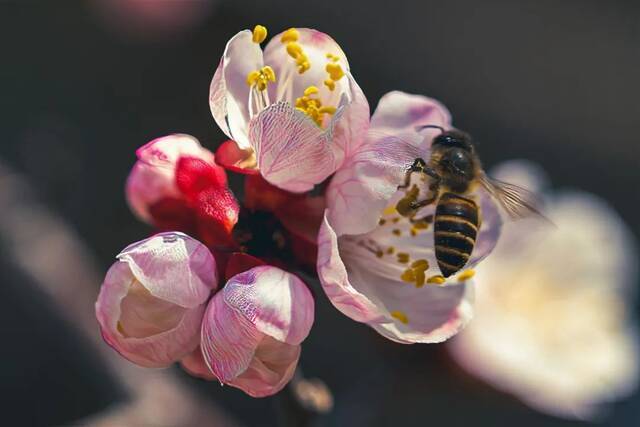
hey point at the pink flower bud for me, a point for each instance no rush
(153, 298)
(253, 328)
(153, 177)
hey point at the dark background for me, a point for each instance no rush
(82, 85)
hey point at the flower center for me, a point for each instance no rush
(309, 103)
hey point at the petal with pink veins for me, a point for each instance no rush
(292, 152)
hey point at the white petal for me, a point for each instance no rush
(229, 92)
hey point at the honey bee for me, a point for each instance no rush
(454, 171)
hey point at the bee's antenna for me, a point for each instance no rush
(419, 128)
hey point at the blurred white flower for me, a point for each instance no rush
(553, 307)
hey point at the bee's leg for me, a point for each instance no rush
(434, 190)
(417, 166)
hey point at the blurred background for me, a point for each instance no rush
(84, 83)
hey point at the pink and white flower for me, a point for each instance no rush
(290, 110)
(252, 331)
(376, 266)
(152, 301)
(554, 306)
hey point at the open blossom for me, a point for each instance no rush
(378, 267)
(253, 328)
(553, 324)
(177, 185)
(290, 110)
(153, 298)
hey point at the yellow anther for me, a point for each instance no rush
(420, 225)
(379, 253)
(382, 221)
(252, 77)
(332, 57)
(399, 315)
(303, 63)
(330, 84)
(269, 73)
(260, 78)
(413, 232)
(259, 34)
(334, 70)
(391, 250)
(294, 49)
(436, 280)
(408, 276)
(395, 220)
(396, 232)
(311, 90)
(466, 275)
(403, 257)
(389, 210)
(327, 110)
(420, 276)
(421, 264)
(291, 35)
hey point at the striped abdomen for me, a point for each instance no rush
(455, 231)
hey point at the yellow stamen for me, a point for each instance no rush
(330, 84)
(399, 315)
(259, 34)
(436, 280)
(422, 264)
(420, 276)
(294, 49)
(311, 90)
(379, 253)
(382, 221)
(327, 110)
(334, 70)
(403, 257)
(391, 250)
(261, 78)
(466, 275)
(420, 225)
(389, 210)
(396, 232)
(291, 35)
(408, 276)
(332, 57)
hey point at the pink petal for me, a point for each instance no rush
(135, 323)
(271, 368)
(195, 365)
(361, 189)
(399, 114)
(292, 152)
(229, 92)
(173, 267)
(354, 284)
(350, 129)
(278, 303)
(335, 280)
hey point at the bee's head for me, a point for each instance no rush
(453, 139)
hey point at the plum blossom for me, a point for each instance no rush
(177, 185)
(378, 267)
(290, 110)
(554, 323)
(151, 303)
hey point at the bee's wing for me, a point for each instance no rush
(516, 201)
